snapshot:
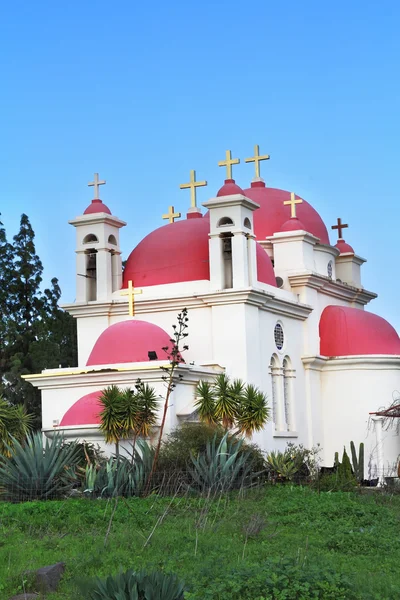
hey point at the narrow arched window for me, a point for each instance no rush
(89, 238)
(225, 221)
(274, 369)
(247, 223)
(288, 376)
(112, 240)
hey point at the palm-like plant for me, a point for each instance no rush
(253, 411)
(147, 408)
(15, 424)
(232, 404)
(111, 416)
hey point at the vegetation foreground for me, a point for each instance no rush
(275, 542)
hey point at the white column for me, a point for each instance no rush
(216, 260)
(379, 447)
(252, 259)
(104, 278)
(81, 281)
(239, 260)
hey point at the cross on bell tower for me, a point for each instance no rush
(340, 226)
(227, 163)
(95, 184)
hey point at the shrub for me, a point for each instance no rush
(132, 585)
(222, 466)
(34, 472)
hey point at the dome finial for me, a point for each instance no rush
(227, 163)
(96, 183)
(292, 203)
(256, 159)
(340, 226)
(171, 215)
(192, 185)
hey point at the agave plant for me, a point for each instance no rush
(282, 464)
(32, 471)
(222, 466)
(132, 585)
(120, 476)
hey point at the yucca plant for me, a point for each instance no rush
(32, 471)
(131, 585)
(15, 423)
(222, 466)
(253, 411)
(111, 416)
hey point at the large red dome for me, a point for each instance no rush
(85, 411)
(179, 252)
(129, 341)
(272, 214)
(346, 331)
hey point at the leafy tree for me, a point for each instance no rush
(232, 404)
(34, 332)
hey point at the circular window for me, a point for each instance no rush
(278, 336)
(330, 269)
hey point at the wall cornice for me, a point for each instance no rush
(332, 288)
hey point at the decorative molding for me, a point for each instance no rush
(363, 362)
(327, 286)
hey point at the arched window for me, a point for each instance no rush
(288, 375)
(274, 370)
(112, 240)
(89, 238)
(247, 223)
(225, 221)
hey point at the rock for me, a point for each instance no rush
(48, 578)
(25, 597)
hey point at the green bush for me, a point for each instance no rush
(132, 585)
(34, 472)
(222, 466)
(336, 482)
(191, 439)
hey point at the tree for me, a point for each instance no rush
(111, 417)
(232, 404)
(34, 332)
(15, 424)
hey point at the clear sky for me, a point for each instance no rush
(142, 92)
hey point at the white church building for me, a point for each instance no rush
(270, 300)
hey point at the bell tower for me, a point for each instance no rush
(98, 253)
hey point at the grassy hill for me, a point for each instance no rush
(277, 542)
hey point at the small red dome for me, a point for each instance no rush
(85, 411)
(348, 331)
(229, 188)
(272, 214)
(344, 247)
(293, 224)
(178, 252)
(97, 206)
(128, 342)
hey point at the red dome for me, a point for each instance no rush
(97, 206)
(344, 247)
(229, 188)
(272, 214)
(179, 252)
(85, 411)
(347, 331)
(127, 342)
(293, 225)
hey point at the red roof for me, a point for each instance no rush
(348, 331)
(229, 189)
(129, 341)
(344, 247)
(97, 206)
(272, 214)
(179, 252)
(85, 411)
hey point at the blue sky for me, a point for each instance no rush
(144, 92)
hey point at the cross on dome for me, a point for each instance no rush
(340, 226)
(95, 184)
(292, 203)
(227, 163)
(192, 185)
(171, 215)
(256, 159)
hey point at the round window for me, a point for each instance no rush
(330, 269)
(278, 336)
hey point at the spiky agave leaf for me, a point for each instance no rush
(205, 402)
(253, 412)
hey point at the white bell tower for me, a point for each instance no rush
(98, 253)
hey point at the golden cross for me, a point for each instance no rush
(130, 292)
(340, 226)
(292, 202)
(171, 215)
(228, 162)
(96, 184)
(193, 184)
(256, 159)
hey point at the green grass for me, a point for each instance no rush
(205, 543)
